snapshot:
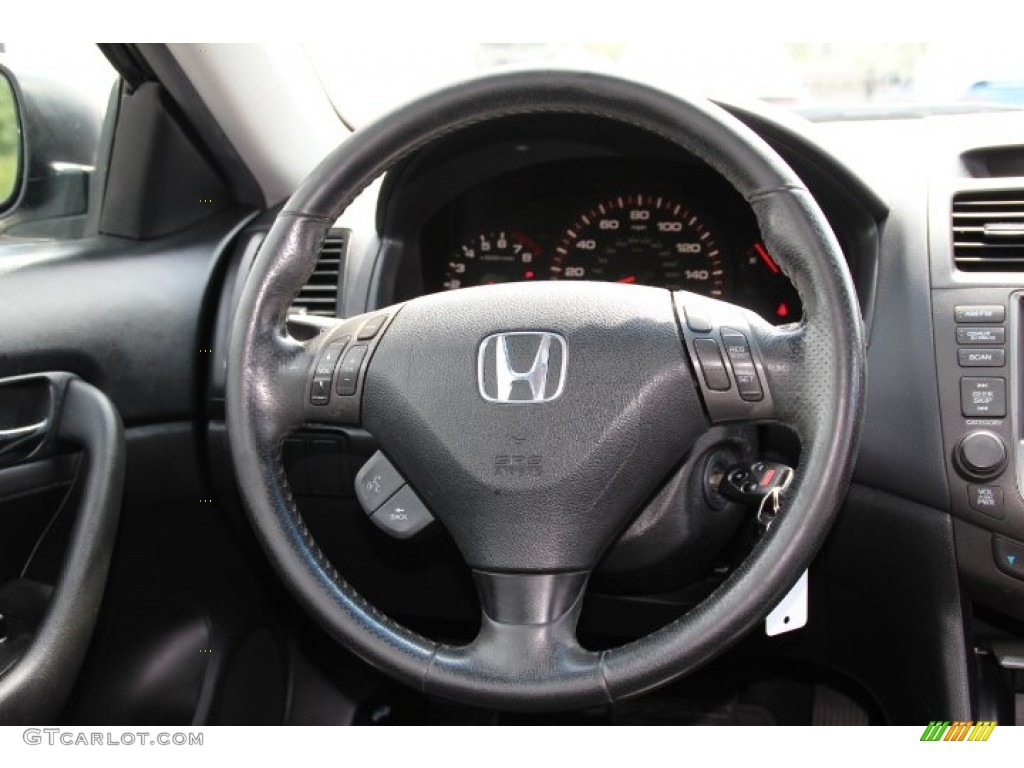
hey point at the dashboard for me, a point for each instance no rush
(672, 225)
(575, 198)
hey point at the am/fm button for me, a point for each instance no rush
(980, 313)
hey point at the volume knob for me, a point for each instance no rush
(981, 454)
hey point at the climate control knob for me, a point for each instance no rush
(980, 454)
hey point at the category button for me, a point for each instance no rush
(971, 335)
(983, 397)
(981, 358)
(980, 313)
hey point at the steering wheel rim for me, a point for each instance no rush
(526, 656)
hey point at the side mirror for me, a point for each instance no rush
(49, 134)
(12, 145)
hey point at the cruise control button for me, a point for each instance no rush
(370, 327)
(736, 345)
(1009, 556)
(983, 397)
(980, 313)
(348, 371)
(711, 363)
(969, 335)
(403, 515)
(987, 499)
(747, 382)
(738, 349)
(697, 321)
(376, 482)
(981, 358)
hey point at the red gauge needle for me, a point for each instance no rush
(766, 258)
(630, 279)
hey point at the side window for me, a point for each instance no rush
(54, 101)
(10, 144)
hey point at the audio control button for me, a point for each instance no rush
(981, 358)
(977, 335)
(983, 396)
(981, 454)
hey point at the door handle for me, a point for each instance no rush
(25, 439)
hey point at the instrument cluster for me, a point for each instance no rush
(671, 225)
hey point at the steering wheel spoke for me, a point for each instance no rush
(335, 364)
(527, 641)
(725, 345)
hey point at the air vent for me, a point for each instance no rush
(988, 231)
(319, 296)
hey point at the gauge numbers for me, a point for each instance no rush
(492, 257)
(643, 239)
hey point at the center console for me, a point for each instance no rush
(978, 346)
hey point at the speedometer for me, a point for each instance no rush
(644, 239)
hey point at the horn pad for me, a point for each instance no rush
(534, 419)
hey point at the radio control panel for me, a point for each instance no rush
(977, 343)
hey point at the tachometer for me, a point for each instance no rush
(644, 239)
(492, 257)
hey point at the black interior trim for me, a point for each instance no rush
(245, 189)
(34, 689)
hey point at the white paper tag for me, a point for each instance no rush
(791, 612)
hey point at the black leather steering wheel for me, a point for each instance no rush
(633, 400)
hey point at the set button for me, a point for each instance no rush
(738, 350)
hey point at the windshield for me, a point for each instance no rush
(824, 81)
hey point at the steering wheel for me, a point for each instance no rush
(596, 389)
